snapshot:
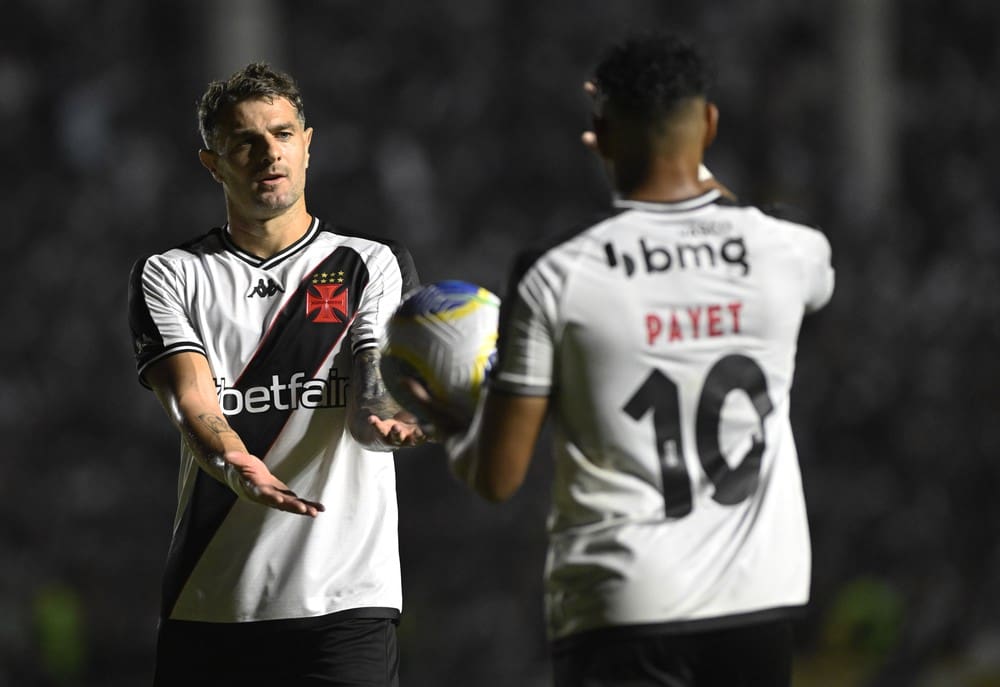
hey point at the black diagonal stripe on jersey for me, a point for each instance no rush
(293, 343)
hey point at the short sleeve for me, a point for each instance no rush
(392, 275)
(819, 272)
(527, 344)
(158, 318)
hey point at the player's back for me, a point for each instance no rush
(673, 331)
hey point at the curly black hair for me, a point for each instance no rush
(256, 80)
(647, 75)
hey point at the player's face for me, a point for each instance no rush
(262, 158)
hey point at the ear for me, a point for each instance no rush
(711, 123)
(308, 136)
(209, 160)
(602, 137)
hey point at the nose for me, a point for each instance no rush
(271, 151)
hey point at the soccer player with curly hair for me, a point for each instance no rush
(659, 342)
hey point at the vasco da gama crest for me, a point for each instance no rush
(326, 298)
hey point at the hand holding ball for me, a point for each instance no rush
(444, 336)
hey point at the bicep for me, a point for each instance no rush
(517, 400)
(510, 428)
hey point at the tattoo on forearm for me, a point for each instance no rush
(372, 394)
(215, 423)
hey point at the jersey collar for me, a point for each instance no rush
(252, 259)
(706, 198)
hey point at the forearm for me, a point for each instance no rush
(463, 460)
(211, 440)
(368, 397)
(219, 450)
(493, 454)
(184, 388)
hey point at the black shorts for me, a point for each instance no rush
(340, 649)
(756, 655)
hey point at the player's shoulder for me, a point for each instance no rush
(190, 249)
(563, 244)
(375, 247)
(781, 221)
(777, 213)
(332, 231)
(212, 240)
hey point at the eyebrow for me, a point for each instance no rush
(280, 126)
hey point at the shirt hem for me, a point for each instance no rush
(384, 612)
(676, 627)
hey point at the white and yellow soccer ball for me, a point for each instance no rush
(444, 335)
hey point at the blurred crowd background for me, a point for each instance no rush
(453, 125)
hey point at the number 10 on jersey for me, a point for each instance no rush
(659, 395)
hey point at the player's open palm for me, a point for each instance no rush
(401, 430)
(257, 483)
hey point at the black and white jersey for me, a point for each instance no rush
(279, 335)
(665, 337)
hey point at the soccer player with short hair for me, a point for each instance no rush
(260, 340)
(660, 342)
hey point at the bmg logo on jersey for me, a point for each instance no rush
(657, 258)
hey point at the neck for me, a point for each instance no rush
(265, 238)
(669, 179)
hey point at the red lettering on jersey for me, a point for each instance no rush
(695, 315)
(715, 320)
(734, 309)
(330, 305)
(654, 325)
(719, 319)
(675, 328)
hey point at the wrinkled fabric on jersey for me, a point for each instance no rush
(665, 337)
(279, 335)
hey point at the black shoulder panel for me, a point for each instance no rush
(789, 213)
(411, 279)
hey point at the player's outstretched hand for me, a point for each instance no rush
(402, 430)
(258, 484)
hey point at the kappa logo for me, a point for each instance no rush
(326, 299)
(265, 289)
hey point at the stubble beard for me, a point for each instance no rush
(277, 201)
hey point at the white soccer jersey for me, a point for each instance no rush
(279, 335)
(665, 337)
